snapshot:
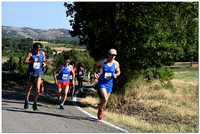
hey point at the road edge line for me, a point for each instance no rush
(92, 116)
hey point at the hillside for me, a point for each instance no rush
(52, 34)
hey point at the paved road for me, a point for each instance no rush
(49, 118)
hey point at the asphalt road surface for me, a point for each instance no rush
(49, 118)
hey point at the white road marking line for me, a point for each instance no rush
(92, 116)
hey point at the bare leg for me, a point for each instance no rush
(65, 91)
(59, 91)
(28, 90)
(37, 90)
(81, 83)
(73, 87)
(105, 96)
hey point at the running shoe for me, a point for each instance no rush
(61, 106)
(34, 107)
(100, 114)
(59, 97)
(26, 104)
(42, 89)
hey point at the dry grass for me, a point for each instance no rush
(154, 106)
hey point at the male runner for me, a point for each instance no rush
(109, 70)
(36, 61)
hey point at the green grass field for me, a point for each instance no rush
(186, 73)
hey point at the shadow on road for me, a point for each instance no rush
(16, 109)
(49, 97)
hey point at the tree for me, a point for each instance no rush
(147, 35)
(12, 65)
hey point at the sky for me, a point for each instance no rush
(38, 15)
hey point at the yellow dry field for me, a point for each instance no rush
(61, 49)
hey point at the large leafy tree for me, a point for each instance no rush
(147, 35)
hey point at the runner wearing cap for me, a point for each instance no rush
(109, 70)
(63, 79)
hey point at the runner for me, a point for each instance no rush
(105, 82)
(72, 81)
(44, 69)
(35, 60)
(63, 79)
(80, 74)
(88, 77)
(92, 79)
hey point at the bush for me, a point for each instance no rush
(163, 73)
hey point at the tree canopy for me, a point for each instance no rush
(146, 35)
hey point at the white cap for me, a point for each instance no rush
(112, 51)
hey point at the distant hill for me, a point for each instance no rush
(25, 32)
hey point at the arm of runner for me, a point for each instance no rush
(118, 72)
(27, 59)
(98, 64)
(73, 77)
(54, 73)
(46, 69)
(44, 59)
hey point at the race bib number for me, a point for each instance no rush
(36, 65)
(107, 76)
(80, 73)
(64, 76)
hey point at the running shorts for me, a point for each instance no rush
(32, 75)
(63, 84)
(108, 88)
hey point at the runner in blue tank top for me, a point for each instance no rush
(63, 79)
(36, 61)
(109, 70)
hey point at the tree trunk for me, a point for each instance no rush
(191, 59)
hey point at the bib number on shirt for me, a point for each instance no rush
(64, 76)
(80, 73)
(107, 76)
(36, 65)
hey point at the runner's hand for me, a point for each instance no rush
(115, 76)
(43, 64)
(56, 82)
(95, 76)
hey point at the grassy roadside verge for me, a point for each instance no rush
(154, 106)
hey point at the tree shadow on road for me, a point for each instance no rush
(16, 109)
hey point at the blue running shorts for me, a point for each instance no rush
(108, 88)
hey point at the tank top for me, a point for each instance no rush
(80, 73)
(71, 76)
(64, 74)
(36, 66)
(106, 74)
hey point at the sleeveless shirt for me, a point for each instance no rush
(64, 74)
(36, 66)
